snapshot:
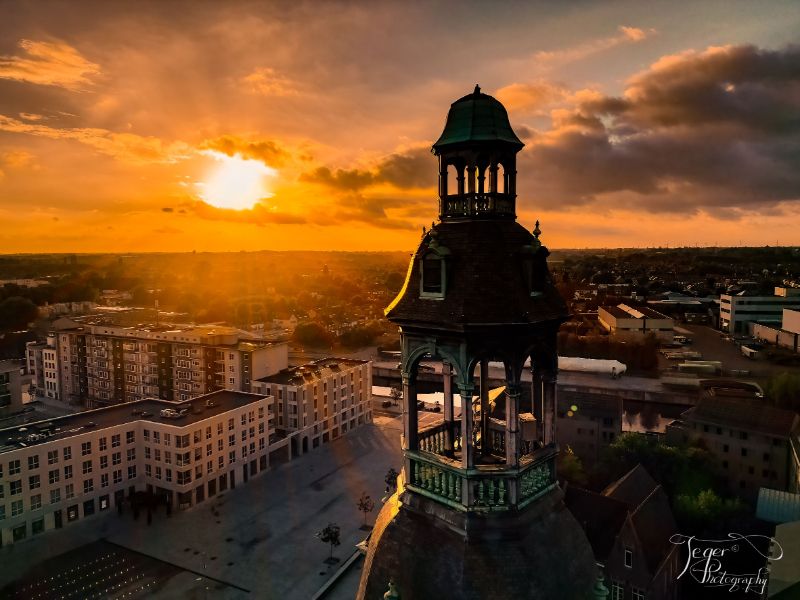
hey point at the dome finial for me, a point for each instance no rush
(536, 233)
(477, 89)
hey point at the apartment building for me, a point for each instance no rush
(738, 313)
(56, 472)
(10, 387)
(588, 421)
(753, 443)
(41, 361)
(319, 401)
(104, 364)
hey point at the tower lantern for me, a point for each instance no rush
(478, 512)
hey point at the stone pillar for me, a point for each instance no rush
(486, 445)
(493, 178)
(549, 408)
(512, 423)
(481, 180)
(471, 179)
(410, 422)
(536, 401)
(442, 178)
(449, 415)
(467, 460)
(460, 180)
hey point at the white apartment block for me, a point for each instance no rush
(55, 472)
(103, 364)
(41, 361)
(737, 313)
(318, 402)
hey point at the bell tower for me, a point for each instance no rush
(478, 512)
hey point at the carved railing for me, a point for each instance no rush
(463, 205)
(434, 440)
(485, 487)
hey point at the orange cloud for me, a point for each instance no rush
(268, 82)
(49, 63)
(556, 58)
(531, 97)
(128, 147)
(269, 152)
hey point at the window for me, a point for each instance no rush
(117, 476)
(198, 453)
(116, 458)
(210, 466)
(55, 496)
(14, 467)
(184, 477)
(168, 475)
(232, 457)
(131, 454)
(36, 502)
(104, 462)
(104, 480)
(69, 491)
(209, 450)
(132, 472)
(115, 440)
(130, 437)
(208, 433)
(87, 467)
(230, 424)
(725, 447)
(432, 272)
(103, 444)
(628, 558)
(53, 476)
(34, 482)
(52, 457)
(219, 428)
(231, 440)
(182, 441)
(219, 444)
(68, 453)
(637, 594)
(16, 508)
(147, 452)
(156, 437)
(86, 448)
(33, 462)
(2, 512)
(15, 487)
(88, 486)
(744, 451)
(167, 457)
(167, 439)
(146, 434)
(766, 456)
(198, 471)
(68, 472)
(221, 462)
(148, 470)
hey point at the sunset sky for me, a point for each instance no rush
(131, 126)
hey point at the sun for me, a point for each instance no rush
(236, 182)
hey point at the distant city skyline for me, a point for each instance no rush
(305, 126)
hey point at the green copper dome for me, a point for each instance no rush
(477, 117)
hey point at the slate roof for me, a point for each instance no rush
(477, 117)
(635, 496)
(485, 279)
(745, 415)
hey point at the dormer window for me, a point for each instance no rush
(433, 276)
(629, 558)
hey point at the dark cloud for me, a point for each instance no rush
(696, 131)
(267, 151)
(168, 209)
(414, 168)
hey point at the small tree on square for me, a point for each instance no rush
(365, 505)
(331, 536)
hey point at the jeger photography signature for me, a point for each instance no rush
(705, 562)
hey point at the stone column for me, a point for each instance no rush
(549, 401)
(512, 423)
(493, 178)
(467, 460)
(471, 179)
(442, 178)
(449, 416)
(460, 180)
(410, 423)
(536, 401)
(486, 445)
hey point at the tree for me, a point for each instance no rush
(391, 479)
(365, 505)
(396, 395)
(783, 391)
(330, 535)
(570, 467)
(312, 334)
(16, 313)
(706, 509)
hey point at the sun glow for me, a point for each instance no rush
(237, 183)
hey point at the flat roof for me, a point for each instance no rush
(313, 371)
(197, 409)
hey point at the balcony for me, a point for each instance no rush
(484, 488)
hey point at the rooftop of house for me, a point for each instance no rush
(754, 416)
(313, 371)
(182, 414)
